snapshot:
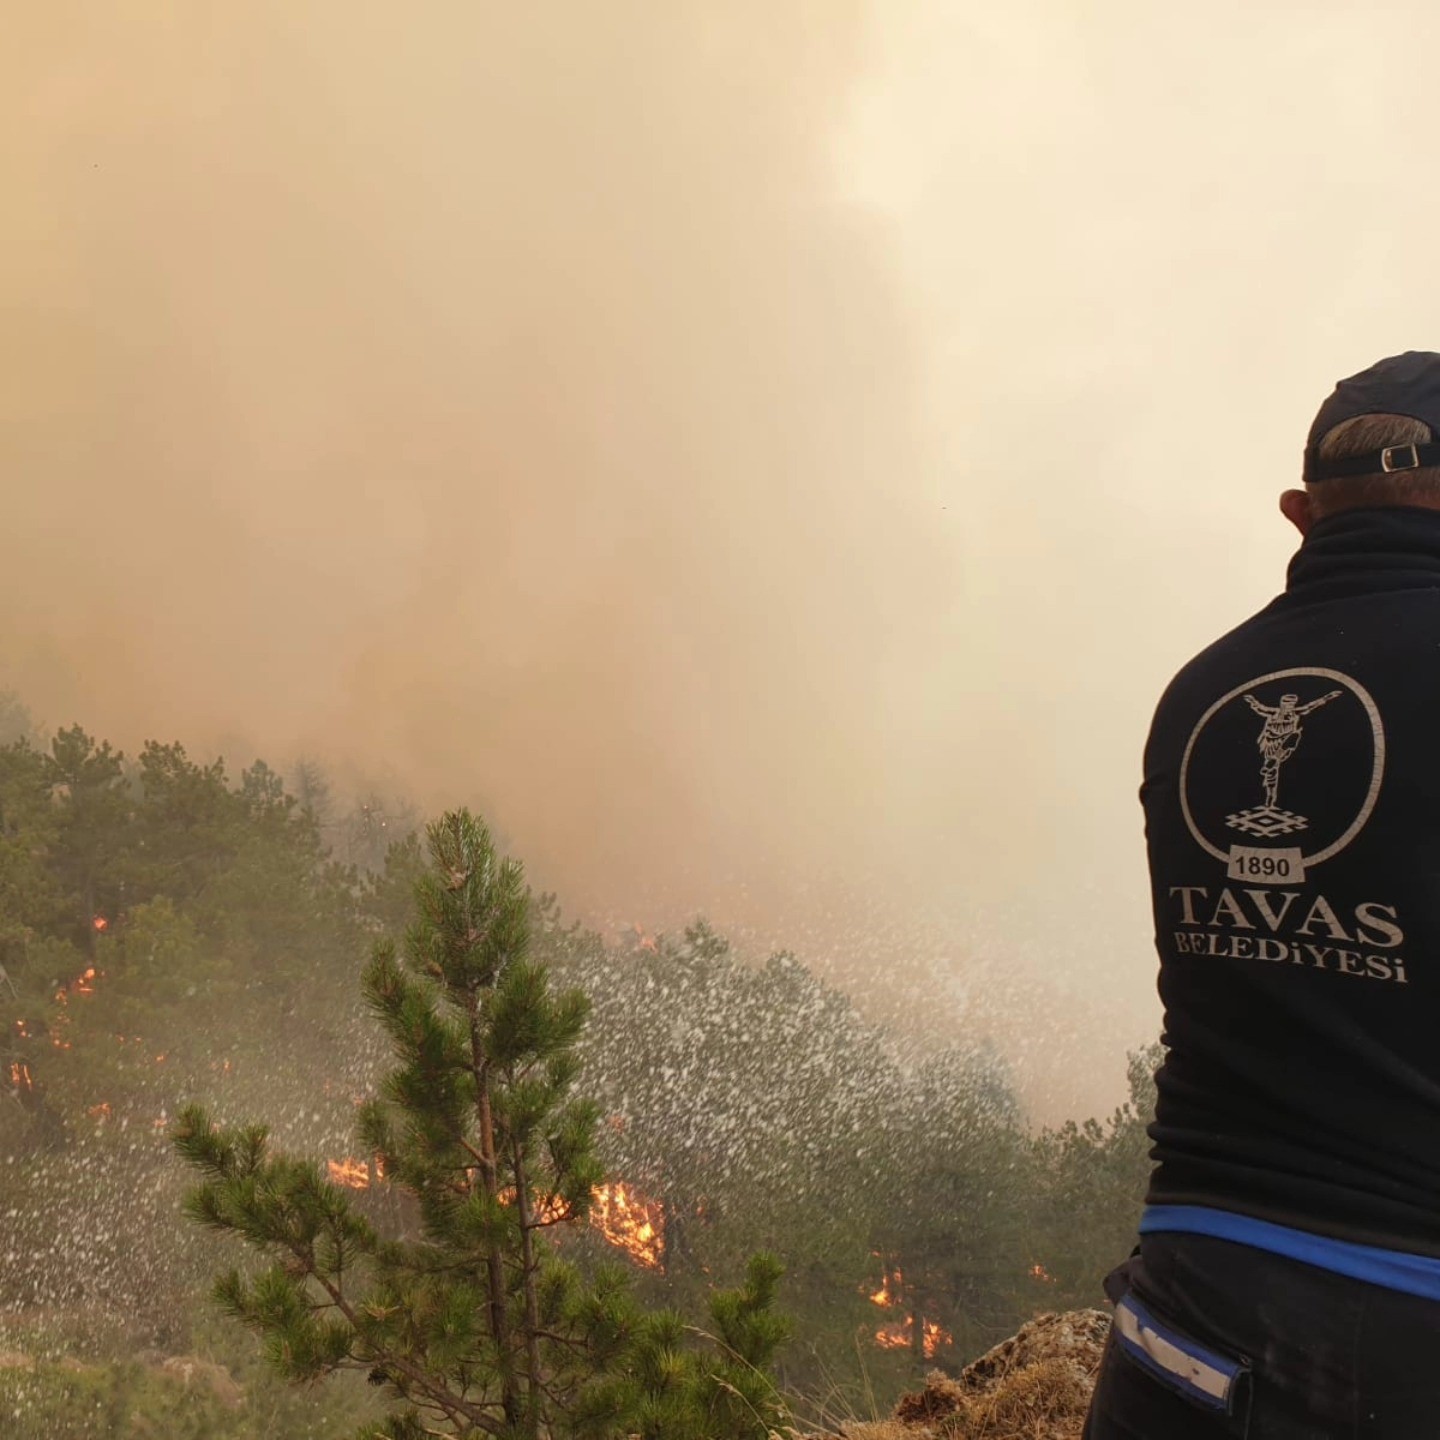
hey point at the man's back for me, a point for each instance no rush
(1287, 1281)
(1292, 806)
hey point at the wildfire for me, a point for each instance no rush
(1039, 1272)
(80, 985)
(900, 1337)
(900, 1334)
(629, 1221)
(625, 1218)
(355, 1174)
(550, 1209)
(100, 1111)
(100, 923)
(20, 1076)
(891, 1284)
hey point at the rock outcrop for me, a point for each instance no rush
(1034, 1386)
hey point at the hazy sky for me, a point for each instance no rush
(768, 456)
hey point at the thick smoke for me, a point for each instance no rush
(507, 397)
(767, 455)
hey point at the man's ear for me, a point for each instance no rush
(1295, 507)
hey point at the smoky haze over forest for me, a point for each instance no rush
(766, 456)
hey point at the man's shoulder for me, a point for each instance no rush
(1226, 660)
(1388, 642)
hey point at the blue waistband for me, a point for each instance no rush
(1393, 1269)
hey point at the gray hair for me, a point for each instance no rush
(1360, 436)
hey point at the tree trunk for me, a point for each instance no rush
(494, 1260)
(532, 1301)
(91, 943)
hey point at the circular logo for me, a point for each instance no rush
(1283, 771)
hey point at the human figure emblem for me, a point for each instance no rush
(1278, 740)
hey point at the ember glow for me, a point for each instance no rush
(20, 1076)
(1039, 1272)
(83, 984)
(100, 923)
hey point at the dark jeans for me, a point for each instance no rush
(1330, 1358)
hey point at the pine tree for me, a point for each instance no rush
(469, 1317)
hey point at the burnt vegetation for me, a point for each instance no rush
(491, 1171)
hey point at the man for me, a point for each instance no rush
(1287, 1282)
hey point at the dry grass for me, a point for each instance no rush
(1044, 1401)
(1034, 1386)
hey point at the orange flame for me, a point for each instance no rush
(1039, 1272)
(550, 1209)
(630, 1222)
(80, 985)
(355, 1174)
(934, 1338)
(624, 1217)
(900, 1335)
(886, 1297)
(100, 923)
(20, 1076)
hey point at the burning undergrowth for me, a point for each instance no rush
(909, 1329)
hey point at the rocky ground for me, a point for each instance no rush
(1034, 1386)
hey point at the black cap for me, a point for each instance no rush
(1407, 384)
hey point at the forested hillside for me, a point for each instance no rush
(172, 933)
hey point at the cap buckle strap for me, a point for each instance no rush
(1389, 462)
